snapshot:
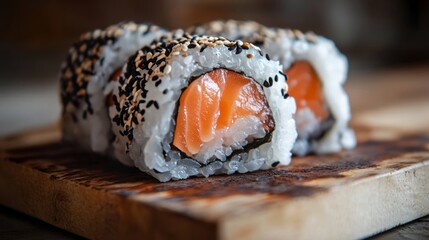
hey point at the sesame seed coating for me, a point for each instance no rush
(250, 31)
(84, 58)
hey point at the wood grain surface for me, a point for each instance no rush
(353, 194)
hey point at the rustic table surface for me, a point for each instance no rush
(372, 92)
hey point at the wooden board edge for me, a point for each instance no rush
(405, 200)
(92, 213)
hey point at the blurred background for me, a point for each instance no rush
(35, 36)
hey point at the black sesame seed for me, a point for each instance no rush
(283, 74)
(161, 39)
(121, 80)
(276, 78)
(154, 103)
(160, 60)
(170, 46)
(165, 91)
(203, 48)
(167, 52)
(134, 119)
(144, 49)
(131, 68)
(116, 119)
(258, 42)
(148, 29)
(238, 50)
(285, 96)
(192, 45)
(267, 57)
(266, 84)
(121, 120)
(275, 164)
(158, 82)
(121, 92)
(142, 84)
(232, 47)
(270, 80)
(144, 93)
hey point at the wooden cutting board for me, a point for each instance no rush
(382, 183)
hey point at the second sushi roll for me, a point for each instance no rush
(197, 106)
(316, 72)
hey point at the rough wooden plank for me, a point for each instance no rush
(352, 194)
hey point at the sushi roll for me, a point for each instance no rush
(84, 75)
(316, 73)
(198, 106)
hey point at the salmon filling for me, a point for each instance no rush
(214, 102)
(305, 86)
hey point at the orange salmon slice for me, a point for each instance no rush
(215, 101)
(305, 86)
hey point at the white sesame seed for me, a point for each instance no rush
(148, 55)
(142, 28)
(118, 32)
(298, 34)
(132, 27)
(167, 69)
